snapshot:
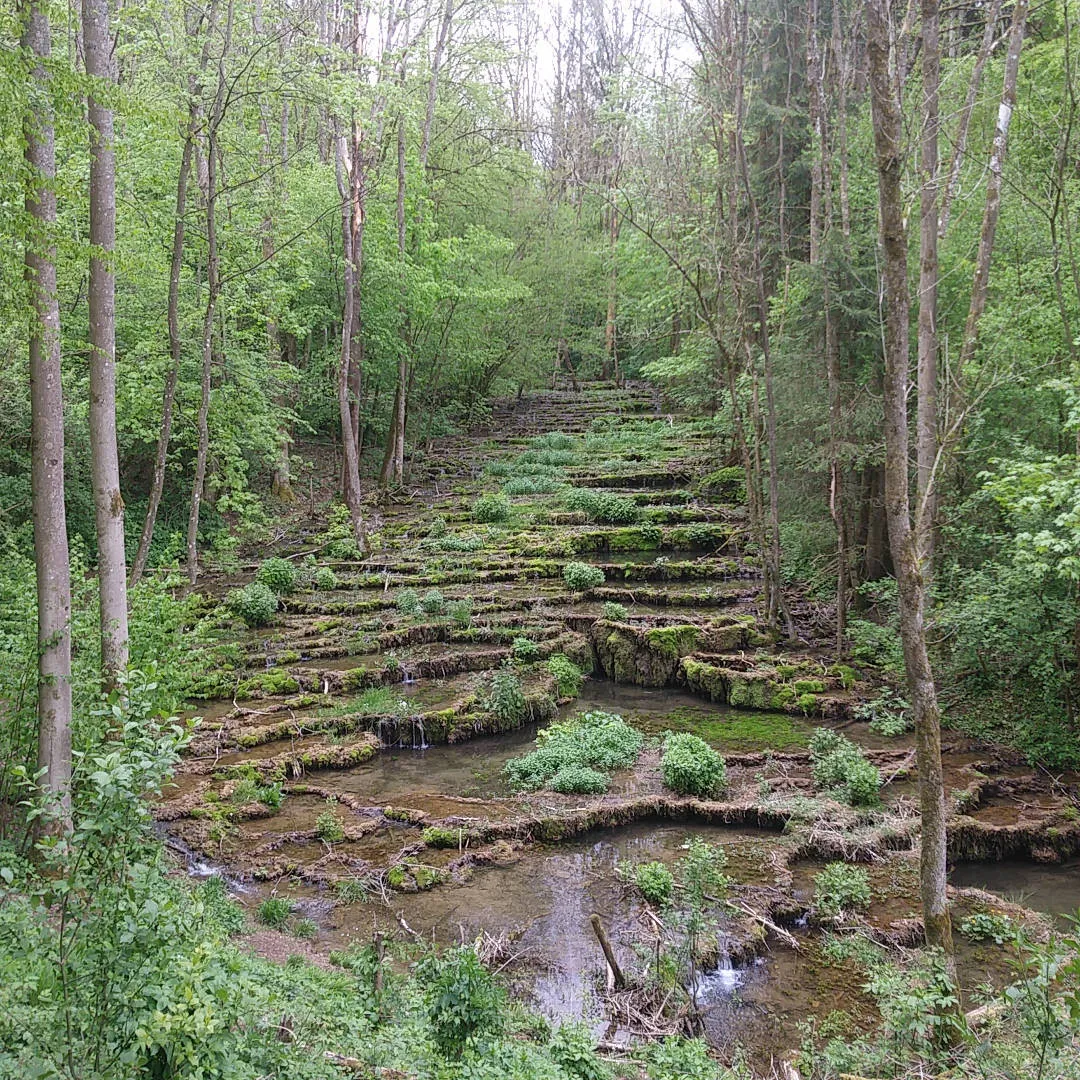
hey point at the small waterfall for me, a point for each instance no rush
(722, 981)
(417, 723)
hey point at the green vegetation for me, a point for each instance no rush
(437, 836)
(655, 882)
(840, 888)
(580, 750)
(568, 676)
(277, 574)
(602, 507)
(525, 650)
(432, 602)
(328, 825)
(325, 579)
(888, 714)
(988, 926)
(505, 697)
(614, 611)
(492, 509)
(581, 576)
(840, 768)
(464, 1005)
(274, 912)
(408, 602)
(690, 766)
(255, 603)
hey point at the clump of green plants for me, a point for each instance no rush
(572, 1049)
(464, 1004)
(602, 507)
(525, 649)
(505, 697)
(249, 789)
(274, 912)
(988, 926)
(596, 741)
(328, 825)
(578, 780)
(491, 509)
(568, 676)
(690, 766)
(438, 527)
(581, 576)
(325, 579)
(305, 929)
(531, 485)
(460, 613)
(438, 836)
(889, 714)
(255, 603)
(839, 888)
(407, 602)
(277, 574)
(614, 611)
(655, 882)
(840, 768)
(432, 602)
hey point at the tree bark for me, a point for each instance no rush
(887, 124)
(53, 572)
(104, 457)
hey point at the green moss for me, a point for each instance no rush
(704, 678)
(438, 836)
(396, 877)
(809, 686)
(733, 731)
(808, 703)
(269, 683)
(673, 641)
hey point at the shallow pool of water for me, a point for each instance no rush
(1053, 888)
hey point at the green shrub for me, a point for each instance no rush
(305, 929)
(838, 766)
(407, 602)
(254, 603)
(690, 766)
(277, 574)
(875, 645)
(614, 611)
(491, 509)
(274, 912)
(839, 888)
(678, 1058)
(655, 882)
(572, 1049)
(438, 527)
(595, 740)
(568, 675)
(460, 612)
(578, 780)
(602, 507)
(328, 825)
(218, 908)
(552, 440)
(582, 577)
(987, 926)
(438, 836)
(463, 1002)
(889, 714)
(525, 650)
(325, 579)
(505, 698)
(433, 602)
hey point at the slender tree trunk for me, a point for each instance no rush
(104, 457)
(926, 434)
(909, 571)
(176, 348)
(47, 427)
(960, 142)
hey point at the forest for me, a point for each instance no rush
(540, 539)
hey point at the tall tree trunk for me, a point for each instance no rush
(176, 349)
(104, 457)
(47, 425)
(213, 285)
(926, 423)
(888, 135)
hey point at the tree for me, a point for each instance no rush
(907, 540)
(101, 300)
(47, 413)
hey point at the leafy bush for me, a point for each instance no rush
(988, 926)
(491, 509)
(677, 1058)
(556, 458)
(505, 698)
(568, 675)
(690, 766)
(408, 602)
(438, 836)
(433, 602)
(839, 767)
(839, 888)
(614, 611)
(325, 579)
(573, 1051)
(889, 714)
(552, 440)
(578, 780)
(277, 574)
(328, 825)
(274, 912)
(602, 507)
(463, 1002)
(525, 650)
(531, 485)
(655, 882)
(438, 527)
(460, 612)
(595, 740)
(254, 603)
(581, 576)
(876, 645)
